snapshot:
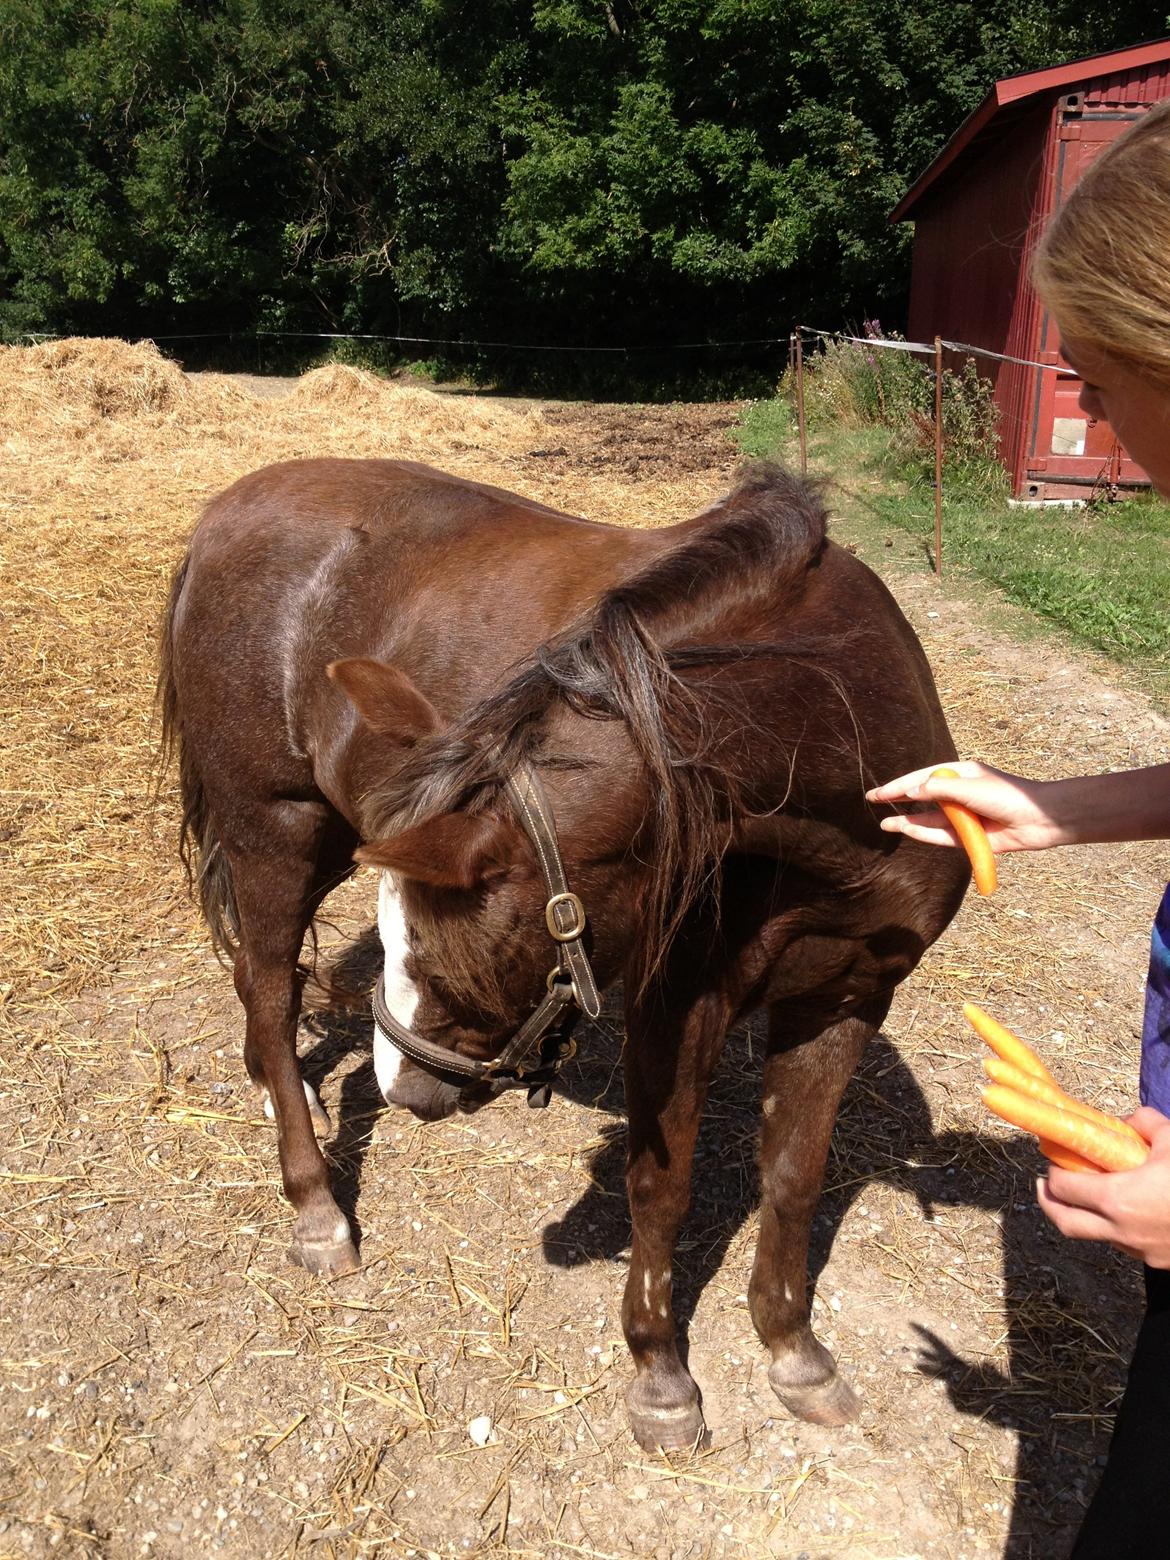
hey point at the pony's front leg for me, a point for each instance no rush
(666, 1087)
(276, 893)
(809, 1063)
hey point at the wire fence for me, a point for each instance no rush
(1109, 477)
(627, 349)
(623, 349)
(794, 342)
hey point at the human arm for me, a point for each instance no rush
(1021, 814)
(1128, 1208)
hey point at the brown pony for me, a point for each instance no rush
(639, 755)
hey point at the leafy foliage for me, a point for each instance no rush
(592, 171)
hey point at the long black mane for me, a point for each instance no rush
(648, 653)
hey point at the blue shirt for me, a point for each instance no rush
(1155, 1074)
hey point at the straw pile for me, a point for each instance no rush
(108, 452)
(69, 383)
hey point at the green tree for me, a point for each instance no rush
(156, 155)
(598, 171)
(754, 148)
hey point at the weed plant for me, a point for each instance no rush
(852, 384)
(766, 428)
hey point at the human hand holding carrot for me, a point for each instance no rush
(972, 836)
(1021, 814)
(1010, 809)
(1072, 1135)
(1128, 1208)
(1109, 1179)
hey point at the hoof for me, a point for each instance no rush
(830, 1402)
(657, 1428)
(328, 1259)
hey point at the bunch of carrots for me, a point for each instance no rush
(1022, 1090)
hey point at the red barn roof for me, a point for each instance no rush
(1016, 89)
(979, 210)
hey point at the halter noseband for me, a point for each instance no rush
(570, 981)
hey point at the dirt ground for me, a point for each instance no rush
(172, 1387)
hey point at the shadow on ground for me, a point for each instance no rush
(1071, 1309)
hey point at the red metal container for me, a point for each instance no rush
(978, 211)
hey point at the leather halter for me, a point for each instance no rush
(570, 982)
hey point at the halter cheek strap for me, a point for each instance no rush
(571, 986)
(564, 914)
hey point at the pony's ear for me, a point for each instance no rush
(455, 850)
(385, 698)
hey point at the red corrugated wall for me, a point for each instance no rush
(1084, 124)
(974, 233)
(1129, 88)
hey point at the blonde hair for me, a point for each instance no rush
(1103, 265)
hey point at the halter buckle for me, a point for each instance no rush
(493, 1070)
(555, 930)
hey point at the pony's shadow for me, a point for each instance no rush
(1070, 1308)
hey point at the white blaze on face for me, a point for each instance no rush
(401, 992)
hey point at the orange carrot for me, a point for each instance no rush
(1091, 1139)
(1014, 1077)
(1004, 1043)
(972, 837)
(1066, 1158)
(1037, 1088)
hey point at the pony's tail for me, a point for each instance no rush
(209, 873)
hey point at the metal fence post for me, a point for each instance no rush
(938, 454)
(800, 402)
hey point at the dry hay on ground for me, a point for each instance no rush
(67, 384)
(414, 419)
(171, 1386)
(123, 403)
(108, 452)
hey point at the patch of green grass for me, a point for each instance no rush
(765, 429)
(1101, 573)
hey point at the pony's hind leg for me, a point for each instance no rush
(810, 1061)
(318, 1115)
(277, 883)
